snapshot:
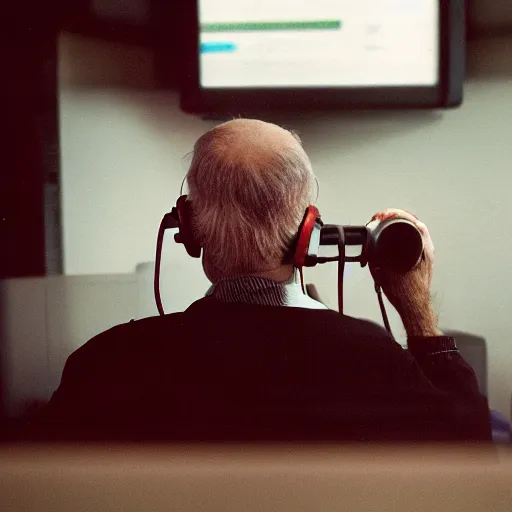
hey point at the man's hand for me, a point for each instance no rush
(410, 292)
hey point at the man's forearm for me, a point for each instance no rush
(419, 319)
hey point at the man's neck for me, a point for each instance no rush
(281, 274)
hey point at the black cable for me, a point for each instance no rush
(327, 259)
(301, 273)
(383, 309)
(159, 243)
(341, 266)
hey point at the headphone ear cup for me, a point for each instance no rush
(311, 224)
(185, 235)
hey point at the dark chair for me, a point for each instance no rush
(474, 350)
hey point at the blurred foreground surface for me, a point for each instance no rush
(255, 478)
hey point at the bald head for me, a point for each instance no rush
(245, 143)
(250, 183)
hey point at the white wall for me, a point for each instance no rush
(123, 145)
(44, 320)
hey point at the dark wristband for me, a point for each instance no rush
(422, 346)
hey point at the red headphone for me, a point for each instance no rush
(304, 248)
(182, 212)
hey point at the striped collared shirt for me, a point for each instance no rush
(263, 291)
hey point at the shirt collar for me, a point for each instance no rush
(263, 291)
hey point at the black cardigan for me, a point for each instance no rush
(239, 372)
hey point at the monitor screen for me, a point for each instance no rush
(305, 43)
(251, 56)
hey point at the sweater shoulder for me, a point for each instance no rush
(365, 327)
(129, 335)
(311, 322)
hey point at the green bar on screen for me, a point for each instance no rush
(271, 25)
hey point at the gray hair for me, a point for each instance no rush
(249, 196)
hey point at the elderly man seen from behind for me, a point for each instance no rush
(257, 359)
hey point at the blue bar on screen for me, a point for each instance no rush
(214, 47)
